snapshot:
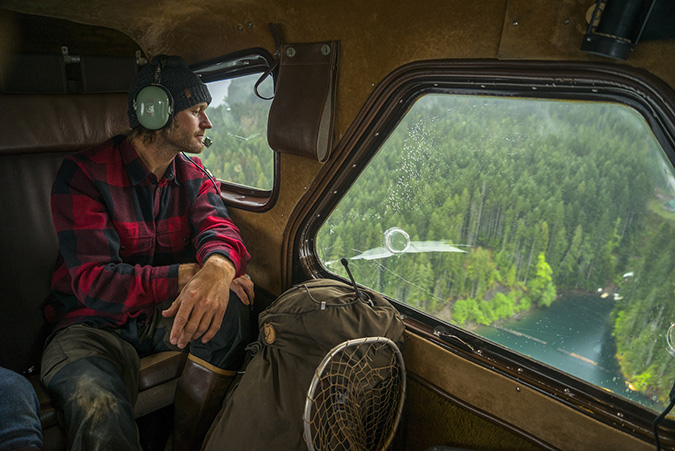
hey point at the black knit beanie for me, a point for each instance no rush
(185, 86)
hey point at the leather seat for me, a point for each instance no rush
(38, 131)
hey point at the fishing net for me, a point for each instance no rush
(356, 396)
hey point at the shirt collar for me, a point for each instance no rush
(138, 171)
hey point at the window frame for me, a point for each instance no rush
(234, 65)
(650, 96)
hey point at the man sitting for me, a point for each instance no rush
(149, 261)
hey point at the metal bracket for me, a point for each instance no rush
(69, 59)
(140, 60)
(442, 332)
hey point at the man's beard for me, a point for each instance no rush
(182, 139)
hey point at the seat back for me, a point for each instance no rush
(37, 131)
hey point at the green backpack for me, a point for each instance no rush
(264, 412)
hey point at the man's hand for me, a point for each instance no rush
(186, 271)
(243, 287)
(201, 304)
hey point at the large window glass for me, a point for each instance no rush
(546, 226)
(240, 153)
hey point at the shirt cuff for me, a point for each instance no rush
(165, 283)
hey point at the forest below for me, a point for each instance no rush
(240, 153)
(541, 198)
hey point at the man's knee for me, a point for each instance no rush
(85, 349)
(96, 408)
(226, 350)
(93, 395)
(89, 384)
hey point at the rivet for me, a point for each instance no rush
(325, 50)
(290, 52)
(514, 23)
(566, 21)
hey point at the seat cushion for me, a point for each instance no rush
(161, 367)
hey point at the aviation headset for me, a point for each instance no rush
(162, 89)
(153, 104)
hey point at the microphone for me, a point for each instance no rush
(207, 141)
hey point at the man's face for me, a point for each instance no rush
(188, 129)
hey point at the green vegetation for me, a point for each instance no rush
(644, 316)
(240, 153)
(544, 197)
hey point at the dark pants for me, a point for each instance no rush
(19, 413)
(92, 374)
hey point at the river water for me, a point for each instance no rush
(574, 335)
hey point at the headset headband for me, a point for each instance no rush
(153, 103)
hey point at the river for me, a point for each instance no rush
(574, 335)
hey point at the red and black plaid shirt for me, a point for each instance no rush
(122, 234)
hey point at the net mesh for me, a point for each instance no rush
(355, 399)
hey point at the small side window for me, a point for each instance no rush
(239, 154)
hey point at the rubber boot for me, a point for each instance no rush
(199, 397)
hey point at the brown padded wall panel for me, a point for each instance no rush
(52, 123)
(534, 414)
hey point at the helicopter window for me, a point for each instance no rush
(546, 226)
(239, 153)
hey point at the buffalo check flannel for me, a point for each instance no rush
(122, 234)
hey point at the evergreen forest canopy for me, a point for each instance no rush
(543, 197)
(240, 153)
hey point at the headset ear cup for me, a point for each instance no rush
(153, 106)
